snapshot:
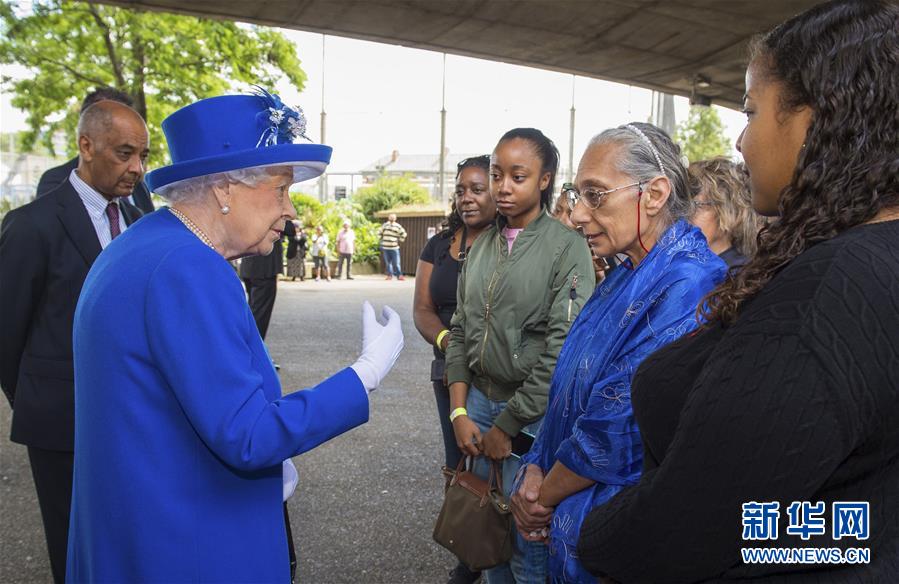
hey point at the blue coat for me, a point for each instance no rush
(180, 426)
(589, 424)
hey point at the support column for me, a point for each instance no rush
(571, 136)
(441, 188)
(323, 181)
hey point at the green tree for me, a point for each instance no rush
(164, 61)
(701, 135)
(389, 191)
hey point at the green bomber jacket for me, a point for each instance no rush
(513, 314)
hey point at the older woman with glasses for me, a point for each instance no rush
(630, 197)
(562, 212)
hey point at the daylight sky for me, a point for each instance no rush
(381, 97)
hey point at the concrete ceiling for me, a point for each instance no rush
(658, 44)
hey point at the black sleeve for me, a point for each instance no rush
(682, 521)
(23, 267)
(428, 254)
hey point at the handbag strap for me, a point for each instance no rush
(494, 475)
(498, 475)
(459, 468)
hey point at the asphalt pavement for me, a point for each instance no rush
(366, 502)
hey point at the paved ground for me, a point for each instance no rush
(366, 502)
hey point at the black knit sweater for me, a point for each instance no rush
(797, 401)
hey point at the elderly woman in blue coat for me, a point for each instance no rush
(630, 198)
(181, 426)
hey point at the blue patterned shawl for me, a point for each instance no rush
(589, 424)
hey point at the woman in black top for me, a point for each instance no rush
(435, 289)
(791, 391)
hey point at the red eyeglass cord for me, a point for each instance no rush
(639, 236)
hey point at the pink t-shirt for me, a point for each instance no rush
(511, 234)
(346, 241)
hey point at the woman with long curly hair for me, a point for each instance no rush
(786, 404)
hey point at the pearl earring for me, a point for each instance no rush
(226, 209)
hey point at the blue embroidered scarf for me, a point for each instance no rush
(589, 424)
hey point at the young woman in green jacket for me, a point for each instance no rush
(523, 283)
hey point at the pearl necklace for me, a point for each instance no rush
(192, 226)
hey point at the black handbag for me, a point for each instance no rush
(475, 522)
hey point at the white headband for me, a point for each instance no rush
(646, 139)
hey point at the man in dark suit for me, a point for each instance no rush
(57, 175)
(46, 250)
(260, 276)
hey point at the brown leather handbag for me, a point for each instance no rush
(475, 522)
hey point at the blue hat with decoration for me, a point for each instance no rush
(233, 132)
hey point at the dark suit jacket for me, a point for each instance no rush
(290, 232)
(46, 250)
(260, 267)
(296, 245)
(57, 175)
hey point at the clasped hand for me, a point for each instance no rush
(531, 518)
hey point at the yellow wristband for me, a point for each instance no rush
(458, 412)
(439, 338)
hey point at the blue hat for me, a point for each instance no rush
(232, 132)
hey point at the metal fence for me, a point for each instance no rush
(19, 175)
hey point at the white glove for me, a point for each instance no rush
(289, 478)
(381, 345)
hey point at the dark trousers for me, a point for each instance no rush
(261, 297)
(344, 257)
(52, 473)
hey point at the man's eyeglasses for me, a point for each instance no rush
(592, 197)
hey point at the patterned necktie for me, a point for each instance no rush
(112, 211)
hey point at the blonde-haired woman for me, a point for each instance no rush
(722, 209)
